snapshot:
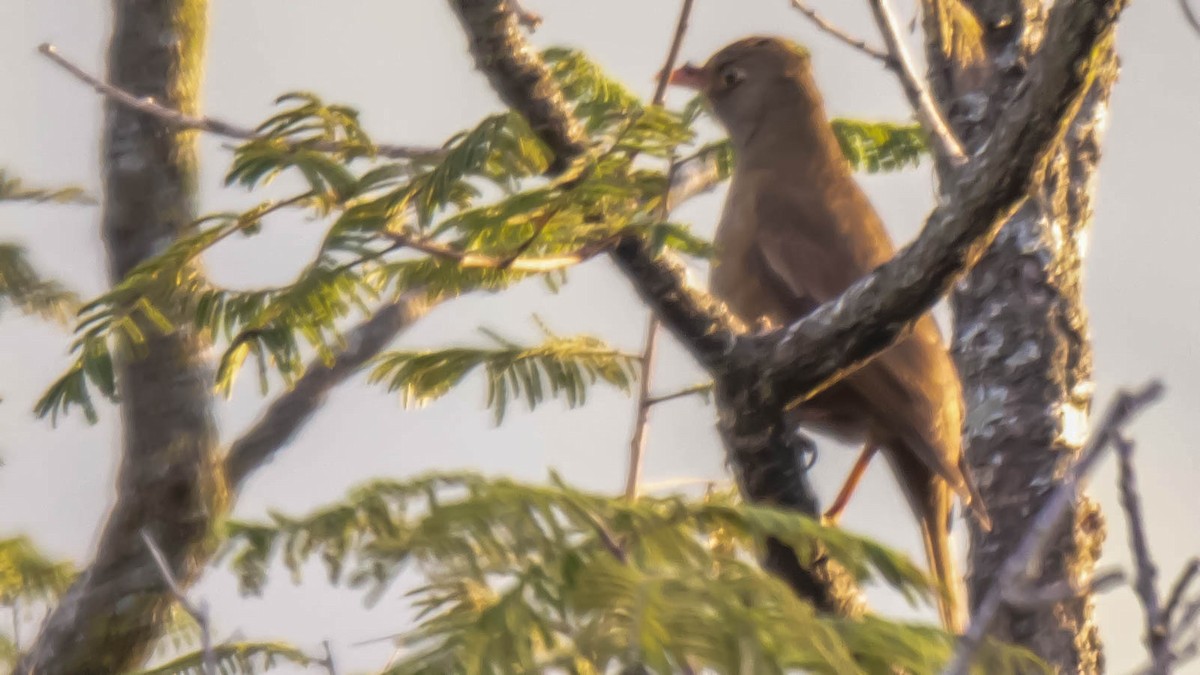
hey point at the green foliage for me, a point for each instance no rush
(873, 147)
(378, 209)
(28, 575)
(12, 189)
(23, 288)
(483, 196)
(558, 367)
(28, 579)
(235, 658)
(523, 578)
(880, 146)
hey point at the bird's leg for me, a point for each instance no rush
(843, 497)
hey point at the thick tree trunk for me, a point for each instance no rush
(168, 483)
(1020, 334)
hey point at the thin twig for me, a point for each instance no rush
(637, 443)
(1145, 574)
(664, 76)
(212, 125)
(1015, 571)
(1180, 588)
(931, 117)
(841, 35)
(198, 612)
(695, 389)
(478, 260)
(330, 667)
(1190, 15)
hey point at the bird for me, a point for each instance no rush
(797, 230)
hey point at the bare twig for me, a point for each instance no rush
(664, 76)
(944, 140)
(637, 444)
(1145, 573)
(841, 35)
(182, 120)
(695, 389)
(1190, 14)
(1014, 573)
(1179, 589)
(198, 612)
(327, 662)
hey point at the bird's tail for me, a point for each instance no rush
(935, 527)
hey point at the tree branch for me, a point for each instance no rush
(766, 372)
(180, 120)
(1145, 573)
(945, 142)
(1190, 14)
(198, 612)
(838, 34)
(1015, 572)
(294, 408)
(641, 415)
(515, 263)
(1179, 589)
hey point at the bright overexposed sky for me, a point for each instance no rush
(405, 66)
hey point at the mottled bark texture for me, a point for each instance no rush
(168, 483)
(1020, 332)
(758, 375)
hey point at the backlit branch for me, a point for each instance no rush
(181, 120)
(842, 36)
(900, 61)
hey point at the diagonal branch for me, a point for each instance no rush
(845, 38)
(181, 120)
(799, 361)
(641, 415)
(1190, 14)
(944, 140)
(294, 408)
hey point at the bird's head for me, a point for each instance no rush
(745, 79)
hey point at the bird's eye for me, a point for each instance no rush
(731, 77)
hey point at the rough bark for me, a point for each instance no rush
(1020, 332)
(167, 483)
(758, 375)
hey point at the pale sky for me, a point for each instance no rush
(404, 65)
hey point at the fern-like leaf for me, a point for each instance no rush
(559, 367)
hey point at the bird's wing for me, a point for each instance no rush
(817, 243)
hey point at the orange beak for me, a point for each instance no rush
(689, 76)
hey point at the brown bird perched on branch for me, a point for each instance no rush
(797, 231)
